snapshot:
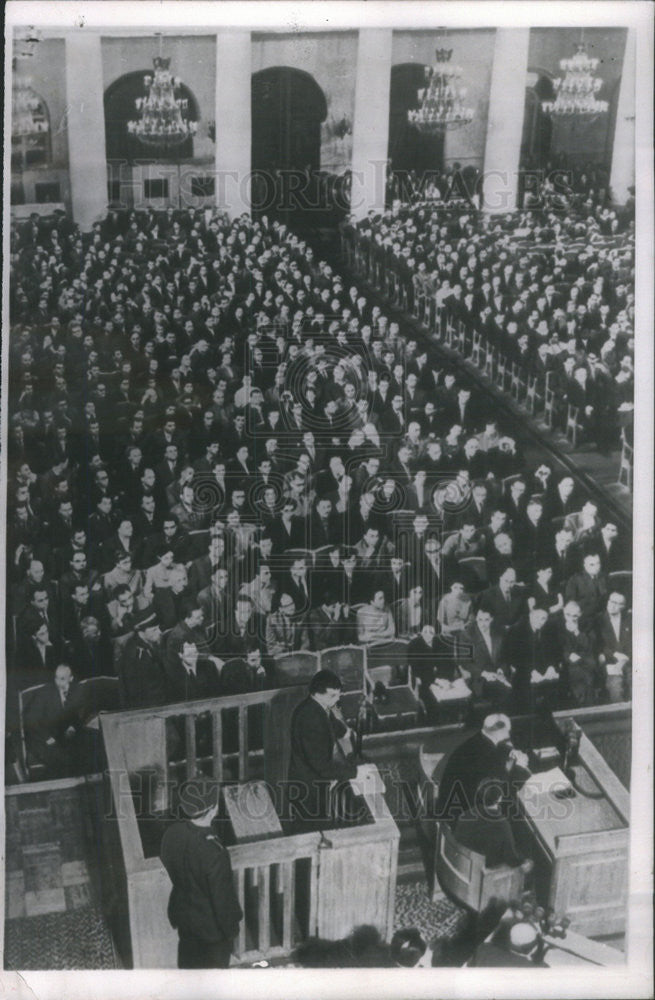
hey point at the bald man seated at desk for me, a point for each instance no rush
(487, 754)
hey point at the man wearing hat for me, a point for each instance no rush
(203, 906)
(141, 670)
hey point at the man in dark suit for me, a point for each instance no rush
(486, 754)
(503, 601)
(316, 725)
(485, 830)
(533, 651)
(203, 905)
(481, 647)
(53, 725)
(614, 633)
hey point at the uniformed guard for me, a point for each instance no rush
(141, 669)
(203, 905)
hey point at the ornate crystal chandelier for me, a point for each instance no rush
(442, 100)
(28, 115)
(575, 92)
(163, 120)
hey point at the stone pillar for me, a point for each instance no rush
(87, 156)
(233, 121)
(371, 125)
(622, 174)
(505, 119)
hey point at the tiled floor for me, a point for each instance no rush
(50, 882)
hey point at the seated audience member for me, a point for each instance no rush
(190, 676)
(579, 662)
(455, 609)
(54, 726)
(588, 589)
(485, 830)
(533, 652)
(329, 624)
(409, 613)
(285, 633)
(375, 621)
(482, 659)
(614, 633)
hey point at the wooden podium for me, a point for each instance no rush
(585, 841)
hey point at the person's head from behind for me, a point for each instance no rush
(523, 938)
(325, 688)
(497, 727)
(409, 949)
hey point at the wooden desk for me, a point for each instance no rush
(575, 949)
(585, 842)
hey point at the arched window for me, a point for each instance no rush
(30, 130)
(120, 108)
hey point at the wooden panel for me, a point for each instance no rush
(241, 893)
(190, 742)
(154, 942)
(217, 745)
(591, 888)
(353, 888)
(288, 904)
(264, 907)
(243, 743)
(144, 742)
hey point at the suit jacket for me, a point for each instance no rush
(608, 644)
(590, 594)
(479, 658)
(505, 613)
(284, 634)
(314, 733)
(469, 763)
(48, 719)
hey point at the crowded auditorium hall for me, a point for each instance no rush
(319, 497)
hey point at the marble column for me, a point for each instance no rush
(505, 119)
(622, 174)
(233, 121)
(86, 128)
(371, 125)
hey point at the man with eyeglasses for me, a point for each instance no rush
(577, 657)
(284, 632)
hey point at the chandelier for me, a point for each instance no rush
(575, 93)
(163, 120)
(28, 116)
(442, 100)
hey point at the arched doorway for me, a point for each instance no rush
(288, 107)
(120, 107)
(537, 125)
(410, 149)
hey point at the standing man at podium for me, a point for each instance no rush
(314, 768)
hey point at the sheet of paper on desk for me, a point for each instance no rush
(546, 782)
(370, 783)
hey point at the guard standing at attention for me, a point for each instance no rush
(203, 905)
